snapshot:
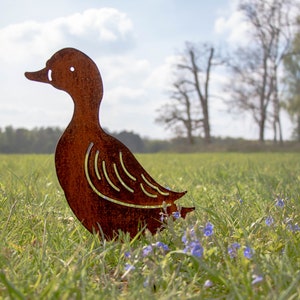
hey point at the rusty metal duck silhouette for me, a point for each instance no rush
(104, 184)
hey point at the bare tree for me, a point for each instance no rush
(191, 92)
(256, 67)
(198, 62)
(250, 87)
(292, 80)
(180, 115)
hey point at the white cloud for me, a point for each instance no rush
(232, 25)
(117, 95)
(103, 30)
(161, 76)
(121, 69)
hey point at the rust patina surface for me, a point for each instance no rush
(104, 184)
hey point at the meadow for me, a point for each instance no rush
(242, 242)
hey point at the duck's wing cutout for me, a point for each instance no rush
(112, 180)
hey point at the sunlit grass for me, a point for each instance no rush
(252, 252)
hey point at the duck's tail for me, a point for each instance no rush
(185, 210)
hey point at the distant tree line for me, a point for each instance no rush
(21, 140)
(44, 140)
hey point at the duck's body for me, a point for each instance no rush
(104, 184)
(101, 202)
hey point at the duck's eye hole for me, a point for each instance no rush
(50, 75)
(72, 69)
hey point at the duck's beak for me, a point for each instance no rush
(43, 75)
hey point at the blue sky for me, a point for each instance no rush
(134, 44)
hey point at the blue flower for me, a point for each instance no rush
(296, 227)
(208, 283)
(192, 244)
(184, 238)
(208, 229)
(248, 252)
(146, 282)
(176, 214)
(129, 267)
(292, 227)
(147, 250)
(162, 246)
(257, 279)
(189, 234)
(163, 217)
(127, 254)
(195, 248)
(232, 249)
(269, 221)
(279, 202)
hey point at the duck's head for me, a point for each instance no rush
(72, 71)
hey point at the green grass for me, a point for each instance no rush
(46, 254)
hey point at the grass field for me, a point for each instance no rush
(243, 241)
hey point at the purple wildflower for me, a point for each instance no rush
(292, 227)
(162, 246)
(296, 227)
(163, 217)
(279, 202)
(248, 252)
(127, 254)
(195, 248)
(269, 221)
(208, 229)
(257, 279)
(146, 282)
(192, 244)
(176, 214)
(129, 267)
(147, 250)
(208, 283)
(189, 234)
(232, 249)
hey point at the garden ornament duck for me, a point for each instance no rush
(105, 186)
